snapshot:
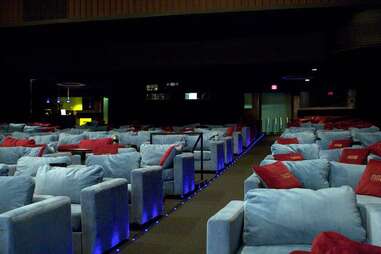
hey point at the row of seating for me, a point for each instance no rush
(108, 193)
(302, 192)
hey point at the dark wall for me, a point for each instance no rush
(221, 55)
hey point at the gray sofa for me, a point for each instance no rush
(225, 231)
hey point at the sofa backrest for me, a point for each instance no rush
(116, 165)
(345, 174)
(309, 151)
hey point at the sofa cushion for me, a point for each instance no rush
(326, 137)
(45, 139)
(99, 134)
(69, 181)
(277, 176)
(76, 212)
(370, 181)
(65, 138)
(330, 154)
(92, 143)
(166, 161)
(106, 149)
(15, 192)
(168, 139)
(12, 142)
(287, 140)
(354, 156)
(28, 166)
(335, 243)
(289, 157)
(309, 151)
(16, 127)
(116, 165)
(10, 155)
(133, 138)
(369, 138)
(302, 137)
(152, 154)
(299, 129)
(345, 174)
(4, 169)
(375, 148)
(297, 216)
(313, 174)
(355, 131)
(340, 143)
(273, 249)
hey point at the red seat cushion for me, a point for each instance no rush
(106, 149)
(277, 176)
(370, 182)
(340, 143)
(300, 252)
(92, 143)
(287, 141)
(166, 155)
(354, 156)
(67, 147)
(375, 148)
(335, 243)
(289, 157)
(230, 131)
(11, 142)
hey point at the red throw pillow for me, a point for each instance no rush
(67, 147)
(230, 131)
(92, 143)
(166, 155)
(300, 252)
(340, 143)
(287, 141)
(375, 148)
(106, 149)
(11, 142)
(335, 243)
(370, 182)
(277, 176)
(288, 157)
(354, 156)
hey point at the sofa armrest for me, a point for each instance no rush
(246, 136)
(105, 219)
(184, 173)
(237, 142)
(146, 194)
(217, 155)
(252, 182)
(42, 227)
(228, 149)
(224, 229)
(371, 220)
(374, 157)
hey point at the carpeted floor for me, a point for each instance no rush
(184, 231)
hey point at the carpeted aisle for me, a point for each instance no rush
(184, 231)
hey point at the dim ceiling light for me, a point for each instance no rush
(314, 69)
(274, 87)
(307, 80)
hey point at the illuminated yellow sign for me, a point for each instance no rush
(83, 121)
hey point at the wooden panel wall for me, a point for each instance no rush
(11, 10)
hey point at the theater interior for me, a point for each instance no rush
(190, 126)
